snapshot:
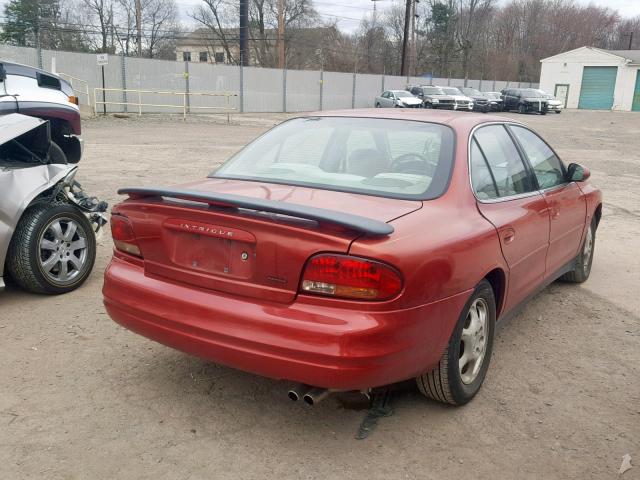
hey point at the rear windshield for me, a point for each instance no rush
(384, 157)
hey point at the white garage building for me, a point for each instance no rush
(592, 78)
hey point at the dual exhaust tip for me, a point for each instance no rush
(309, 395)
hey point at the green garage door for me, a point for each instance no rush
(636, 94)
(598, 85)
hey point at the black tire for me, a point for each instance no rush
(543, 113)
(56, 154)
(377, 105)
(557, 111)
(427, 105)
(25, 257)
(444, 383)
(522, 109)
(583, 261)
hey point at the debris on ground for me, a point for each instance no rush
(626, 464)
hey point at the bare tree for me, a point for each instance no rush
(99, 20)
(159, 23)
(214, 15)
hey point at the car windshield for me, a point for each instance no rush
(493, 95)
(385, 157)
(432, 91)
(451, 91)
(402, 94)
(473, 91)
(530, 93)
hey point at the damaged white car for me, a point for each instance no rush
(48, 225)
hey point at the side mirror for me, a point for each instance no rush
(577, 173)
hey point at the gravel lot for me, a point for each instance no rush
(82, 398)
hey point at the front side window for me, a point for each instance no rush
(547, 167)
(391, 158)
(506, 167)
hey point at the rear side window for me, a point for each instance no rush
(508, 172)
(481, 177)
(546, 165)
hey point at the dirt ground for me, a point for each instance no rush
(82, 398)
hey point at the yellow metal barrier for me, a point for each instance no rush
(184, 106)
(78, 85)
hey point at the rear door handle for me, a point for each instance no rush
(508, 235)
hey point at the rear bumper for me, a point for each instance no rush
(324, 346)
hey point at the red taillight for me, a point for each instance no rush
(123, 237)
(350, 277)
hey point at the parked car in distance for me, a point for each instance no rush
(497, 98)
(432, 96)
(555, 105)
(481, 103)
(439, 97)
(34, 92)
(462, 102)
(306, 257)
(47, 223)
(397, 99)
(524, 100)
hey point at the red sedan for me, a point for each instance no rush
(354, 249)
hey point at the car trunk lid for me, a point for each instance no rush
(249, 238)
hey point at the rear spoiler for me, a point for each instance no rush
(364, 225)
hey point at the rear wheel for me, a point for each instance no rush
(377, 105)
(584, 260)
(53, 249)
(522, 109)
(464, 363)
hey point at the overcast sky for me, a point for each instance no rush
(349, 12)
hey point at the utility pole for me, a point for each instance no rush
(414, 53)
(630, 40)
(281, 34)
(405, 38)
(244, 26)
(139, 26)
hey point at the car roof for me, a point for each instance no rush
(446, 117)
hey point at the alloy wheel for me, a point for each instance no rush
(473, 341)
(587, 251)
(63, 250)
